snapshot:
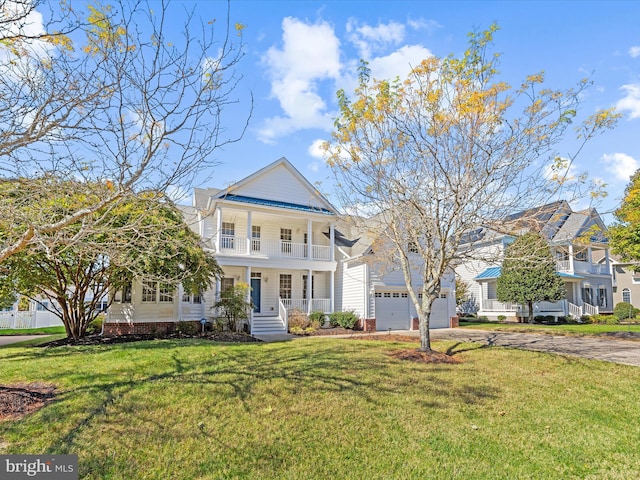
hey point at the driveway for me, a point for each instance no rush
(9, 339)
(617, 351)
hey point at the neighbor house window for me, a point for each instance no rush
(582, 255)
(626, 295)
(42, 306)
(602, 296)
(149, 292)
(587, 295)
(285, 286)
(188, 298)
(228, 234)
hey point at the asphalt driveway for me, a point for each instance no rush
(617, 351)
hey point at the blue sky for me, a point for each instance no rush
(298, 53)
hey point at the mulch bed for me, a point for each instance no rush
(415, 355)
(229, 337)
(20, 399)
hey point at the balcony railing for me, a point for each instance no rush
(230, 245)
(580, 267)
(496, 306)
(317, 304)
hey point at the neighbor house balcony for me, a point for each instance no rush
(264, 248)
(576, 266)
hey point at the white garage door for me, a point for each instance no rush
(439, 313)
(392, 311)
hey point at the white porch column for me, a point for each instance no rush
(331, 291)
(571, 266)
(332, 244)
(218, 230)
(606, 260)
(249, 234)
(309, 291)
(309, 239)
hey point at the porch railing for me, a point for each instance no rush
(317, 304)
(574, 310)
(590, 309)
(496, 306)
(230, 245)
(282, 313)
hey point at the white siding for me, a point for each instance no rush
(281, 185)
(354, 289)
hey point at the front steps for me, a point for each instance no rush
(267, 325)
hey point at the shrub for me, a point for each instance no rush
(625, 311)
(605, 319)
(346, 319)
(185, 328)
(95, 326)
(297, 319)
(317, 319)
(586, 319)
(562, 319)
(502, 318)
(483, 318)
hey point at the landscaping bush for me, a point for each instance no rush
(502, 318)
(625, 311)
(186, 328)
(297, 319)
(586, 319)
(95, 327)
(316, 319)
(605, 319)
(346, 319)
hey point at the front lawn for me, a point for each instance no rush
(33, 331)
(563, 329)
(326, 408)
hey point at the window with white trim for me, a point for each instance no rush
(226, 283)
(149, 292)
(285, 286)
(626, 295)
(165, 293)
(255, 238)
(285, 240)
(228, 234)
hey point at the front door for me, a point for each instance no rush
(255, 294)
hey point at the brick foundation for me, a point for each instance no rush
(144, 328)
(453, 323)
(366, 324)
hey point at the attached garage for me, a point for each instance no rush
(394, 310)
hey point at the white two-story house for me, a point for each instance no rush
(582, 261)
(274, 231)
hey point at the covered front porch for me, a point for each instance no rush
(274, 292)
(574, 305)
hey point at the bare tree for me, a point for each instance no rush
(428, 160)
(113, 100)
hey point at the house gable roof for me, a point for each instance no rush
(279, 184)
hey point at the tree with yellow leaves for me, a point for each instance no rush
(103, 96)
(624, 235)
(424, 161)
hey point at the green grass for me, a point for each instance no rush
(565, 329)
(33, 331)
(326, 408)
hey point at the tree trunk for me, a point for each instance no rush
(423, 328)
(530, 303)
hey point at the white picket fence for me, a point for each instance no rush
(18, 319)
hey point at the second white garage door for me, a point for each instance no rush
(392, 311)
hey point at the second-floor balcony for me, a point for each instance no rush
(233, 245)
(580, 267)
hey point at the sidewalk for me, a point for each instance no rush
(10, 339)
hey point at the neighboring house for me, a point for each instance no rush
(276, 232)
(626, 282)
(582, 259)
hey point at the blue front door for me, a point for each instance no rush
(255, 294)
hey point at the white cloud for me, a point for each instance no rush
(422, 24)
(369, 40)
(621, 165)
(631, 102)
(398, 63)
(310, 54)
(634, 51)
(315, 150)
